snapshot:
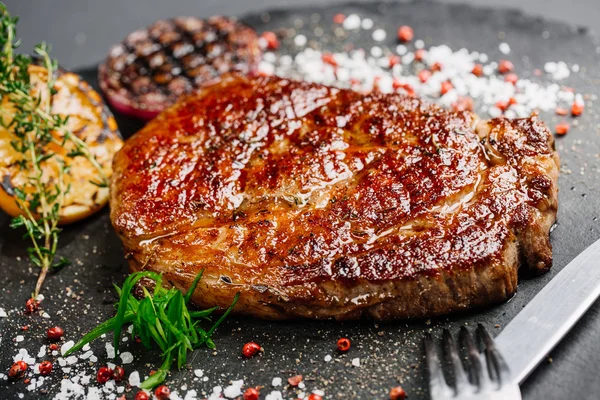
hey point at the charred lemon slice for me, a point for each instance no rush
(90, 121)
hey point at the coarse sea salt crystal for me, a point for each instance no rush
(198, 373)
(2, 313)
(327, 358)
(134, 379)
(401, 49)
(367, 24)
(234, 390)
(379, 35)
(94, 394)
(23, 355)
(110, 350)
(276, 382)
(266, 68)
(274, 395)
(66, 347)
(356, 362)
(191, 395)
(71, 360)
(216, 393)
(376, 51)
(42, 351)
(504, 48)
(126, 357)
(86, 355)
(19, 338)
(351, 22)
(300, 40)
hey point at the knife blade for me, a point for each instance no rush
(534, 332)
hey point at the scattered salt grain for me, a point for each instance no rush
(2, 313)
(71, 360)
(419, 44)
(379, 35)
(376, 51)
(356, 362)
(504, 48)
(19, 338)
(126, 357)
(42, 351)
(327, 358)
(558, 70)
(300, 40)
(110, 350)
(66, 347)
(274, 395)
(276, 382)
(134, 379)
(216, 393)
(351, 22)
(198, 373)
(23, 355)
(234, 390)
(191, 395)
(367, 24)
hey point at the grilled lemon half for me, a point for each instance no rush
(91, 121)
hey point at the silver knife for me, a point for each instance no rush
(530, 336)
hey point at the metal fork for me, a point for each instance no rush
(479, 384)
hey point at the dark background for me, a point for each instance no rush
(82, 31)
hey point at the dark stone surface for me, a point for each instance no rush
(299, 347)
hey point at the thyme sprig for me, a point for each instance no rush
(161, 317)
(27, 114)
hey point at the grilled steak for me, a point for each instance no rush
(324, 203)
(152, 67)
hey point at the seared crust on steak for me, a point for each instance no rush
(324, 203)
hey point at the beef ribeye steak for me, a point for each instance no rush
(325, 203)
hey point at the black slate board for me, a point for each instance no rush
(389, 353)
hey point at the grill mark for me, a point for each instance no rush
(142, 67)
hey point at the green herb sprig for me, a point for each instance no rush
(34, 126)
(162, 318)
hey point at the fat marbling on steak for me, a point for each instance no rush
(325, 203)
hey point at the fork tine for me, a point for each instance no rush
(462, 383)
(495, 362)
(480, 379)
(437, 382)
